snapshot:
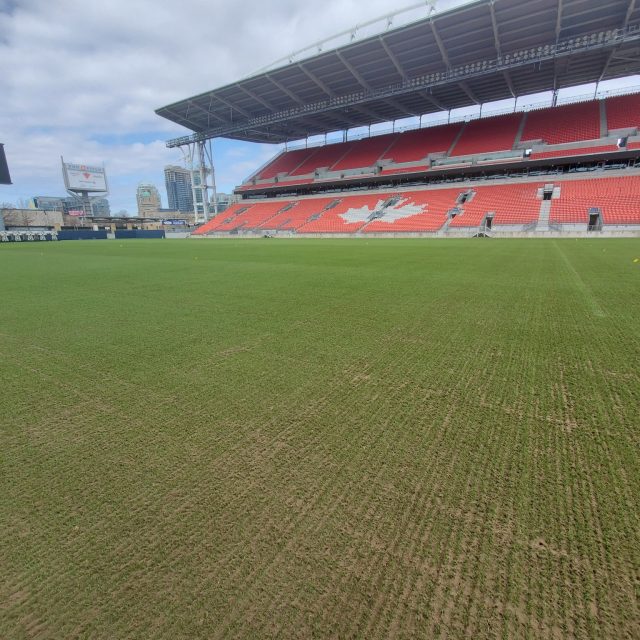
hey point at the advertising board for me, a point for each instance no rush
(82, 177)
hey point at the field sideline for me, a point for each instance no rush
(320, 438)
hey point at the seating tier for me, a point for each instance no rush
(559, 125)
(617, 198)
(488, 134)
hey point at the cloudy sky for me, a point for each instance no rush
(82, 79)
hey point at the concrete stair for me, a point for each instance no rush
(543, 218)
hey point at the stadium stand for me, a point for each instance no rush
(348, 215)
(364, 153)
(243, 215)
(323, 157)
(295, 214)
(285, 163)
(226, 216)
(516, 204)
(415, 211)
(559, 125)
(410, 152)
(623, 112)
(413, 146)
(488, 134)
(615, 198)
(575, 128)
(510, 204)
(506, 173)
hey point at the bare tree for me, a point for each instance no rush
(25, 217)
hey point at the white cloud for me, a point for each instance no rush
(77, 78)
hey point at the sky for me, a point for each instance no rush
(82, 79)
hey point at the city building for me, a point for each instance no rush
(99, 206)
(181, 184)
(148, 199)
(177, 181)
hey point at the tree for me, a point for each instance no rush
(26, 217)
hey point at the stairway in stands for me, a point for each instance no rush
(543, 219)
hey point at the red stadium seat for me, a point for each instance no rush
(297, 215)
(431, 208)
(516, 203)
(364, 153)
(243, 216)
(349, 215)
(226, 216)
(569, 123)
(413, 146)
(286, 162)
(427, 210)
(623, 112)
(617, 198)
(488, 134)
(558, 125)
(323, 157)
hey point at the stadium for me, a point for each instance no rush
(567, 169)
(350, 429)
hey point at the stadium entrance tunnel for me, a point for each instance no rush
(595, 220)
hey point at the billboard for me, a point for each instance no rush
(76, 212)
(82, 177)
(5, 178)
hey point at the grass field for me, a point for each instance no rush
(318, 438)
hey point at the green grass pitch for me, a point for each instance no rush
(320, 438)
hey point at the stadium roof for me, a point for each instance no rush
(481, 52)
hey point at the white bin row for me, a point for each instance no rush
(27, 236)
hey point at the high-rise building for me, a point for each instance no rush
(178, 182)
(148, 199)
